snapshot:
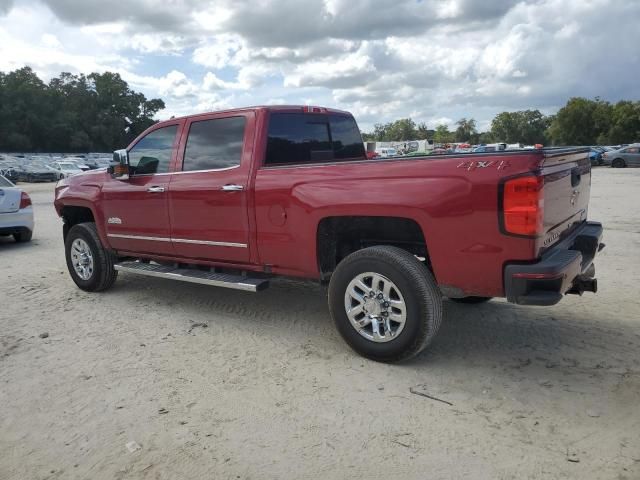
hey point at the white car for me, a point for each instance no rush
(387, 152)
(65, 169)
(79, 162)
(16, 212)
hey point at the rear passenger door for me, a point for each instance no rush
(208, 195)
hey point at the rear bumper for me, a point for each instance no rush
(16, 222)
(565, 268)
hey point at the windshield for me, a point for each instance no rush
(4, 182)
(68, 166)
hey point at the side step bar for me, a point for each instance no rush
(226, 280)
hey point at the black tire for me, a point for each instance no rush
(23, 236)
(618, 163)
(61, 177)
(471, 300)
(29, 178)
(104, 273)
(419, 289)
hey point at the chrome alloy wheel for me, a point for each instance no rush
(375, 307)
(82, 259)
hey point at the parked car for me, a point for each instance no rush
(16, 212)
(81, 163)
(9, 171)
(28, 172)
(595, 156)
(259, 192)
(386, 152)
(64, 169)
(624, 157)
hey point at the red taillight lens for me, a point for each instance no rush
(25, 200)
(523, 205)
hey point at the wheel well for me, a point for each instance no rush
(74, 215)
(340, 236)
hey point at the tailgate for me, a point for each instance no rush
(567, 185)
(9, 199)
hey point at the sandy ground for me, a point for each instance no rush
(269, 390)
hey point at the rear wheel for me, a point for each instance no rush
(618, 163)
(385, 303)
(89, 263)
(471, 300)
(23, 236)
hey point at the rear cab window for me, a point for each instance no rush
(306, 138)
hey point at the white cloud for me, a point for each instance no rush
(436, 60)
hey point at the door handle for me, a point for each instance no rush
(155, 189)
(232, 188)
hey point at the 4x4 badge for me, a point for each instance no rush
(475, 164)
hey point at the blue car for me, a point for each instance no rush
(595, 157)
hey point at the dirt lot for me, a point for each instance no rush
(211, 383)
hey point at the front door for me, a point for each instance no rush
(136, 210)
(208, 198)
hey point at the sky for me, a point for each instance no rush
(435, 61)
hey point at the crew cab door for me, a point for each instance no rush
(208, 197)
(136, 210)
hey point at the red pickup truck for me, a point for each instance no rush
(236, 197)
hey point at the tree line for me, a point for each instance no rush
(70, 113)
(580, 122)
(78, 113)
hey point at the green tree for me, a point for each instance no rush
(443, 135)
(624, 126)
(581, 122)
(526, 126)
(466, 130)
(71, 113)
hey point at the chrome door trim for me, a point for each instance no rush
(206, 242)
(178, 240)
(224, 169)
(138, 237)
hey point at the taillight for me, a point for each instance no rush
(25, 200)
(523, 206)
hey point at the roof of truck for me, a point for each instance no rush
(278, 108)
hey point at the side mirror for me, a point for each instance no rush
(120, 166)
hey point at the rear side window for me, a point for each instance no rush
(296, 138)
(346, 138)
(214, 144)
(152, 154)
(4, 182)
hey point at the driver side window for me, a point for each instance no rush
(152, 154)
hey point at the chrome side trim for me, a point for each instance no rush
(138, 237)
(178, 240)
(182, 172)
(206, 242)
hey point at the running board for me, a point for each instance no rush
(226, 280)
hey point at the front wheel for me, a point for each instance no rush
(89, 263)
(618, 163)
(385, 303)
